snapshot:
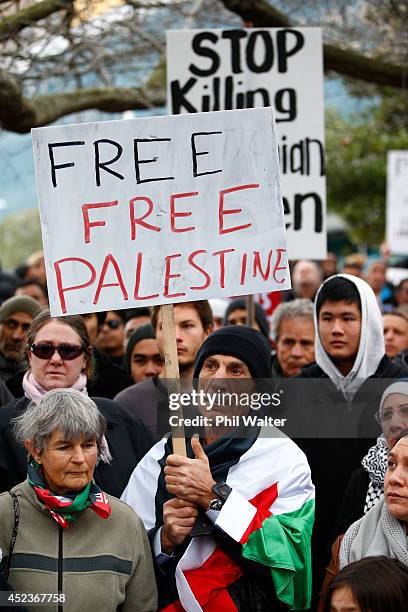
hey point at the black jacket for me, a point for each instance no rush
(128, 440)
(352, 505)
(109, 379)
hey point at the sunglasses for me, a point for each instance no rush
(113, 323)
(67, 352)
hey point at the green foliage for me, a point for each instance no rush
(20, 235)
(356, 170)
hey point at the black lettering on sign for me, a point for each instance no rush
(284, 38)
(99, 164)
(55, 166)
(203, 51)
(266, 52)
(234, 36)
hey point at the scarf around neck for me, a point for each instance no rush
(377, 533)
(375, 463)
(371, 347)
(64, 508)
(35, 392)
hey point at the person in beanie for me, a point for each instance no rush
(142, 357)
(230, 524)
(16, 315)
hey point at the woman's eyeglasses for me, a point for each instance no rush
(67, 352)
(386, 415)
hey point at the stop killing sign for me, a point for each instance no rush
(160, 210)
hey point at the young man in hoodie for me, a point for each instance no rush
(334, 410)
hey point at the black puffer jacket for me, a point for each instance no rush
(128, 440)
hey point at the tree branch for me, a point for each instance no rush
(343, 61)
(18, 114)
(13, 24)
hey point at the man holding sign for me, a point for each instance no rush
(252, 488)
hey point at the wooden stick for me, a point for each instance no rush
(250, 310)
(172, 373)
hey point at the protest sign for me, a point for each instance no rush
(160, 210)
(397, 202)
(210, 70)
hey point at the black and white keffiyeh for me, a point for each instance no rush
(375, 463)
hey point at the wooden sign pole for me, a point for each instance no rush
(172, 373)
(250, 310)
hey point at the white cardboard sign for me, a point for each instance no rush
(160, 210)
(397, 202)
(210, 70)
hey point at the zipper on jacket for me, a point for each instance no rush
(60, 569)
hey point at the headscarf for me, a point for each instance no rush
(397, 387)
(371, 347)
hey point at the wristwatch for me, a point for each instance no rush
(222, 491)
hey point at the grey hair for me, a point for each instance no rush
(68, 410)
(290, 310)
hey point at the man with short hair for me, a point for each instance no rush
(395, 333)
(334, 412)
(292, 330)
(34, 288)
(237, 314)
(135, 317)
(148, 398)
(230, 524)
(306, 279)
(16, 315)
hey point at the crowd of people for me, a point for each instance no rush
(304, 507)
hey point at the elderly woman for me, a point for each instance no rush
(87, 548)
(60, 356)
(383, 530)
(366, 485)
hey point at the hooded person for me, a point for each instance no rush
(226, 531)
(333, 401)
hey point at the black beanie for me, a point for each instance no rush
(260, 315)
(144, 332)
(245, 343)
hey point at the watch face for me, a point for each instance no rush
(222, 490)
(215, 504)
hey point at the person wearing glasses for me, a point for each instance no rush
(60, 356)
(111, 336)
(366, 485)
(70, 533)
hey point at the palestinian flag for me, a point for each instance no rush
(270, 511)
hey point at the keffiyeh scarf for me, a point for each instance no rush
(375, 463)
(64, 508)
